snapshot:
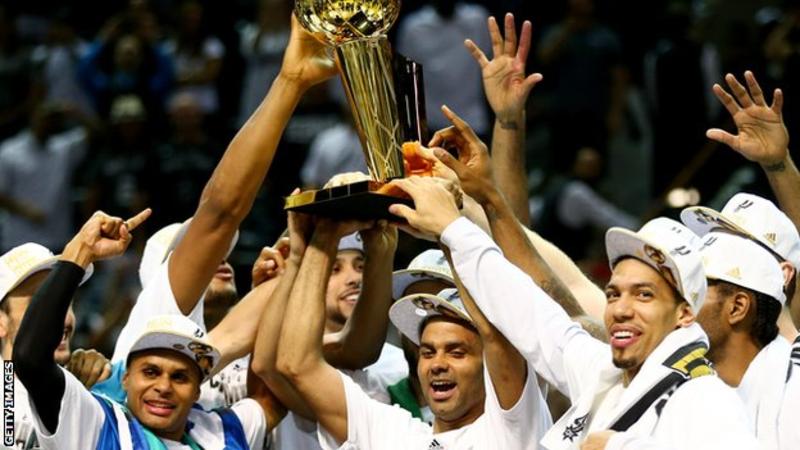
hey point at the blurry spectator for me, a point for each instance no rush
(16, 74)
(678, 73)
(585, 78)
(573, 212)
(197, 57)
(434, 37)
(117, 176)
(261, 45)
(122, 62)
(184, 162)
(57, 63)
(335, 150)
(36, 172)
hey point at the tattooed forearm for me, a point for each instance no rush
(777, 167)
(508, 124)
(558, 292)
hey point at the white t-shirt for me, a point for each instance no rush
(295, 432)
(155, 299)
(81, 419)
(335, 150)
(375, 426)
(226, 387)
(40, 176)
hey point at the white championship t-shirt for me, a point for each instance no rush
(375, 426)
(226, 387)
(295, 432)
(81, 419)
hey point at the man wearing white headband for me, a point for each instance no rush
(165, 367)
(740, 313)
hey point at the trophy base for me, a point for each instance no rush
(361, 201)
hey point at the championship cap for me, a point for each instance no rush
(428, 265)
(668, 247)
(740, 261)
(351, 242)
(181, 334)
(19, 263)
(161, 244)
(409, 313)
(753, 217)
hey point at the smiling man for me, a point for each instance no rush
(167, 363)
(651, 388)
(477, 384)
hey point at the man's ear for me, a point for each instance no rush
(125, 380)
(686, 315)
(738, 306)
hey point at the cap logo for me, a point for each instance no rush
(704, 217)
(734, 273)
(771, 238)
(425, 304)
(657, 256)
(744, 205)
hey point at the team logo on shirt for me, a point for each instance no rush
(576, 428)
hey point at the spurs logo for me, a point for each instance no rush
(575, 429)
(744, 205)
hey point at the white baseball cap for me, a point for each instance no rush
(181, 334)
(740, 261)
(408, 313)
(19, 263)
(753, 217)
(668, 247)
(428, 265)
(161, 244)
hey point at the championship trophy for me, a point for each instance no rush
(385, 94)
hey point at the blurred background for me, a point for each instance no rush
(136, 101)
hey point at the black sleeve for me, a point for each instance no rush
(38, 337)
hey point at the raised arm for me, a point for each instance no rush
(42, 326)
(229, 194)
(762, 138)
(507, 89)
(300, 358)
(360, 341)
(474, 171)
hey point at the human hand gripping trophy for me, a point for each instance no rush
(386, 98)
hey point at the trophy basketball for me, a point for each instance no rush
(386, 98)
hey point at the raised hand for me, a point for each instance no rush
(306, 60)
(434, 205)
(271, 262)
(382, 236)
(89, 366)
(507, 88)
(102, 237)
(473, 167)
(762, 135)
(301, 227)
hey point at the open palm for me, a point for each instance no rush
(507, 88)
(762, 136)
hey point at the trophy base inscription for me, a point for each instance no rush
(362, 200)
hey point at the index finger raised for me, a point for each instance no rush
(137, 220)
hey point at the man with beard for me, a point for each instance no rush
(477, 384)
(651, 386)
(740, 314)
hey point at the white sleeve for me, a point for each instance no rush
(527, 421)
(155, 299)
(80, 418)
(254, 424)
(535, 324)
(371, 424)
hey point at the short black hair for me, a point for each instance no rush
(443, 318)
(765, 326)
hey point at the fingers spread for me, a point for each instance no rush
(722, 136)
(476, 53)
(777, 102)
(511, 36)
(497, 40)
(755, 89)
(726, 99)
(137, 220)
(739, 91)
(525, 41)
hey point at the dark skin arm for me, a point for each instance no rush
(473, 168)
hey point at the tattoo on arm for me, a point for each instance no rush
(777, 167)
(508, 124)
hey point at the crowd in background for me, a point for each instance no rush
(120, 105)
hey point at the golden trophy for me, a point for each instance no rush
(375, 83)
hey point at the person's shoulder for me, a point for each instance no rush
(707, 391)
